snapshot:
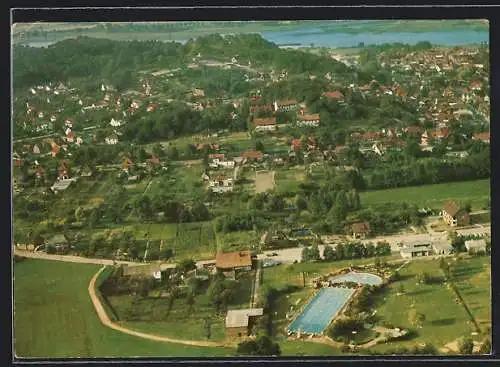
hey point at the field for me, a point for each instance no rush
(445, 319)
(288, 180)
(264, 180)
(473, 280)
(152, 314)
(477, 193)
(54, 317)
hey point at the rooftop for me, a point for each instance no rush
(233, 259)
(239, 318)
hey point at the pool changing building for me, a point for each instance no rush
(239, 322)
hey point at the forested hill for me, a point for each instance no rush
(116, 61)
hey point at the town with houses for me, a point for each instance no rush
(348, 205)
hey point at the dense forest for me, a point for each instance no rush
(117, 61)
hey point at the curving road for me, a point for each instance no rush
(106, 321)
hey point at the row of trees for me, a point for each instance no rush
(430, 171)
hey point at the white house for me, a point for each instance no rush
(309, 120)
(115, 123)
(221, 184)
(112, 139)
(411, 251)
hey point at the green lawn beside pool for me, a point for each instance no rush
(445, 319)
(473, 280)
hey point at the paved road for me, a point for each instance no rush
(105, 320)
(71, 258)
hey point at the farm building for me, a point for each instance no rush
(415, 251)
(239, 322)
(360, 229)
(264, 124)
(454, 215)
(232, 261)
(442, 248)
(475, 245)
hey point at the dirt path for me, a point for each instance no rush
(105, 320)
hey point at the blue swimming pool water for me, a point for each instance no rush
(320, 310)
(364, 278)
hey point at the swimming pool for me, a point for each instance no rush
(364, 278)
(320, 310)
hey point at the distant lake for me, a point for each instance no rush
(328, 38)
(321, 38)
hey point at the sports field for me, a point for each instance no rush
(477, 193)
(54, 317)
(264, 180)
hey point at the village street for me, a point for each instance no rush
(287, 255)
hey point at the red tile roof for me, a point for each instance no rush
(334, 95)
(252, 155)
(216, 155)
(311, 117)
(231, 260)
(287, 102)
(481, 136)
(264, 121)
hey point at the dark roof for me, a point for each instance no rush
(452, 208)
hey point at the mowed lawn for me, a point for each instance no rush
(435, 196)
(54, 317)
(445, 319)
(473, 280)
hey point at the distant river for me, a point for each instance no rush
(339, 40)
(320, 38)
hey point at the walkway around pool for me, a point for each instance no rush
(327, 303)
(363, 278)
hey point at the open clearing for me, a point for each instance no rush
(50, 295)
(445, 319)
(264, 180)
(477, 193)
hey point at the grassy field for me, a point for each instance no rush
(445, 319)
(473, 280)
(151, 314)
(477, 193)
(54, 317)
(288, 180)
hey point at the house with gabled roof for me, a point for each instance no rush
(285, 105)
(483, 136)
(360, 229)
(112, 139)
(308, 120)
(454, 215)
(265, 124)
(252, 155)
(336, 95)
